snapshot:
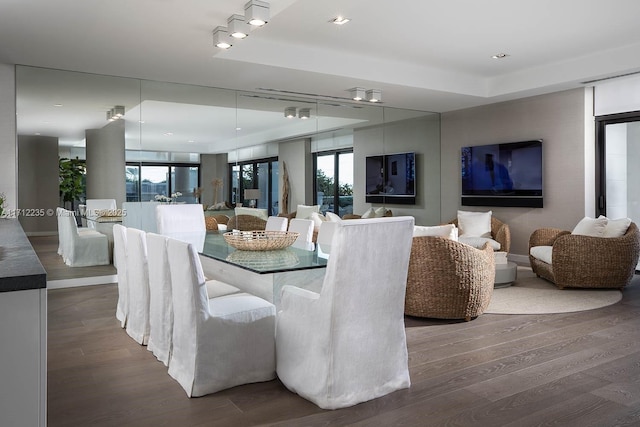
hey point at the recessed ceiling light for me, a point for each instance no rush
(499, 56)
(168, 134)
(57, 105)
(191, 140)
(340, 20)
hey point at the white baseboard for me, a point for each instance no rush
(519, 259)
(83, 281)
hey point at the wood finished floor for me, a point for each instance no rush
(46, 248)
(576, 369)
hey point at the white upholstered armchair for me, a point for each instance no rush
(347, 344)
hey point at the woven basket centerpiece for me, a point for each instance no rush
(260, 240)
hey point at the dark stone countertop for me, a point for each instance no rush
(20, 268)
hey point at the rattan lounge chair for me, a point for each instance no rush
(448, 279)
(585, 261)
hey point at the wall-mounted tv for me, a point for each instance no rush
(507, 174)
(391, 178)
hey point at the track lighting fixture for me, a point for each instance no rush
(221, 38)
(357, 93)
(374, 95)
(237, 27)
(304, 113)
(290, 112)
(256, 12)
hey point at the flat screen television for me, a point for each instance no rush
(391, 178)
(508, 174)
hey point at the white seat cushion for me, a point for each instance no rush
(216, 288)
(449, 231)
(478, 242)
(543, 253)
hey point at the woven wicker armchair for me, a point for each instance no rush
(585, 261)
(246, 223)
(221, 218)
(448, 279)
(210, 223)
(500, 232)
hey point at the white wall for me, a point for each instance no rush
(8, 145)
(617, 96)
(557, 118)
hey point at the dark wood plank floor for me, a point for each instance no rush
(46, 248)
(577, 369)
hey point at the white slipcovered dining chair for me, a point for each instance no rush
(325, 237)
(184, 218)
(305, 229)
(221, 342)
(160, 302)
(94, 208)
(138, 286)
(277, 223)
(347, 344)
(120, 260)
(81, 248)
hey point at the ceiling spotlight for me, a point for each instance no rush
(340, 20)
(499, 56)
(237, 27)
(221, 38)
(304, 113)
(118, 111)
(357, 93)
(374, 95)
(256, 12)
(290, 112)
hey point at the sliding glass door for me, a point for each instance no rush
(617, 171)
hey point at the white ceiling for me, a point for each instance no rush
(423, 54)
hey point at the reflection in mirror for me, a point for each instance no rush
(188, 139)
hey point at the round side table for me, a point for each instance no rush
(505, 274)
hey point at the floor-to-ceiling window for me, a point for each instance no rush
(334, 181)
(261, 175)
(617, 172)
(146, 181)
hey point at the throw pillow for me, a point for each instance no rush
(304, 211)
(591, 226)
(616, 227)
(474, 224)
(478, 242)
(381, 212)
(317, 219)
(448, 231)
(331, 217)
(371, 213)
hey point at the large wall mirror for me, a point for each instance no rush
(176, 138)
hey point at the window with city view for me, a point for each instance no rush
(334, 182)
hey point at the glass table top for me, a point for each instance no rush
(213, 245)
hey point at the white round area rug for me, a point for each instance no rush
(532, 295)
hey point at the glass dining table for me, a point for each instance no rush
(261, 273)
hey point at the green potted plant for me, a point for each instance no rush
(72, 173)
